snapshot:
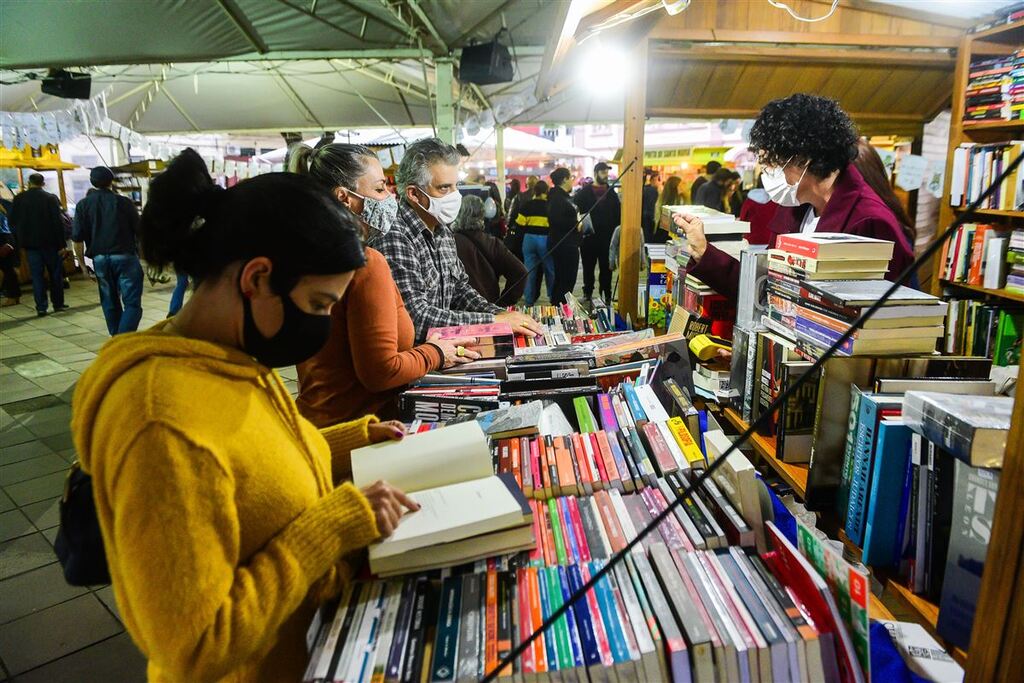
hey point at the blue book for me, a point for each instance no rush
(633, 401)
(585, 626)
(887, 493)
(578, 654)
(860, 481)
(570, 533)
(550, 649)
(609, 614)
(702, 416)
(446, 642)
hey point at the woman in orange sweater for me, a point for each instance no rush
(369, 357)
(222, 519)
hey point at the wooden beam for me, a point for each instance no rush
(912, 13)
(666, 31)
(1002, 583)
(713, 113)
(632, 185)
(804, 55)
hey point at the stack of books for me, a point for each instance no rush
(723, 230)
(1015, 259)
(700, 310)
(988, 96)
(438, 397)
(558, 373)
(976, 255)
(975, 166)
(490, 340)
(909, 322)
(448, 472)
(664, 613)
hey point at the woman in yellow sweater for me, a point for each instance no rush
(222, 514)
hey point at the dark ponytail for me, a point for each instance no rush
(201, 229)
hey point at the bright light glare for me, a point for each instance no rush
(604, 68)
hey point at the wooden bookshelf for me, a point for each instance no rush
(991, 212)
(1013, 125)
(927, 614)
(793, 474)
(1000, 293)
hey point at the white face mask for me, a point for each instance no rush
(490, 208)
(445, 208)
(780, 191)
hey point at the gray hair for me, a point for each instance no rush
(419, 157)
(471, 214)
(334, 165)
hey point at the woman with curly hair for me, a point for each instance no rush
(807, 146)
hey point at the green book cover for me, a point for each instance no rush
(1006, 347)
(556, 532)
(584, 415)
(561, 629)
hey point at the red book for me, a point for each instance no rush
(536, 469)
(514, 467)
(579, 458)
(594, 452)
(662, 455)
(616, 539)
(503, 456)
(577, 527)
(835, 245)
(540, 659)
(977, 255)
(525, 622)
(550, 556)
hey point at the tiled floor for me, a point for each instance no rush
(50, 631)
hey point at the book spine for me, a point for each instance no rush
(581, 613)
(446, 639)
(885, 500)
(610, 520)
(556, 531)
(536, 609)
(582, 545)
(553, 470)
(572, 549)
(610, 443)
(551, 647)
(607, 412)
(797, 246)
(413, 658)
(596, 460)
(579, 653)
(860, 478)
(526, 459)
(563, 646)
(491, 621)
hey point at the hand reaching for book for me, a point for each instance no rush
(693, 229)
(388, 505)
(450, 349)
(520, 322)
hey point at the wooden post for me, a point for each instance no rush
(60, 189)
(632, 184)
(499, 160)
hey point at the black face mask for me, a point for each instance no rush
(301, 336)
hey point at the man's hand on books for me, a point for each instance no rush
(388, 505)
(392, 430)
(693, 228)
(520, 322)
(450, 349)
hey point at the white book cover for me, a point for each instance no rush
(922, 654)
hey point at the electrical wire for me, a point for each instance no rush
(781, 5)
(783, 396)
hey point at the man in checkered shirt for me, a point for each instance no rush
(420, 246)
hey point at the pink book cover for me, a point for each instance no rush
(525, 462)
(479, 331)
(577, 526)
(604, 406)
(677, 531)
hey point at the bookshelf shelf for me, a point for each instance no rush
(927, 613)
(764, 446)
(1000, 293)
(1004, 31)
(994, 125)
(992, 212)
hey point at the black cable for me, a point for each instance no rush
(751, 429)
(575, 228)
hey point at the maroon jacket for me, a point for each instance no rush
(854, 208)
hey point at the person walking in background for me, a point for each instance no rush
(671, 195)
(521, 198)
(108, 223)
(39, 230)
(514, 188)
(716, 193)
(648, 220)
(9, 261)
(533, 223)
(564, 235)
(758, 209)
(178, 295)
(709, 172)
(485, 257)
(370, 356)
(605, 216)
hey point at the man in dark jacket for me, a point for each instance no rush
(709, 172)
(108, 224)
(606, 216)
(564, 235)
(39, 230)
(649, 204)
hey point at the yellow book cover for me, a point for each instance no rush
(691, 451)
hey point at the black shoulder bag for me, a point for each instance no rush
(79, 543)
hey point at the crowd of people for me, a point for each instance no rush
(226, 506)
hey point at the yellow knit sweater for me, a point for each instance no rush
(222, 525)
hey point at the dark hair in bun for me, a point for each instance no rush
(201, 229)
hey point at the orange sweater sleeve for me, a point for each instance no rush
(373, 333)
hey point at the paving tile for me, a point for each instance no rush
(31, 405)
(14, 524)
(15, 434)
(69, 455)
(51, 535)
(35, 590)
(50, 427)
(13, 350)
(22, 395)
(31, 468)
(115, 659)
(6, 503)
(45, 415)
(59, 442)
(106, 596)
(23, 451)
(34, 490)
(60, 630)
(41, 367)
(23, 554)
(44, 515)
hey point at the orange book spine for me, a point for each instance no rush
(540, 658)
(977, 255)
(544, 490)
(567, 484)
(601, 443)
(514, 461)
(582, 462)
(616, 538)
(491, 624)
